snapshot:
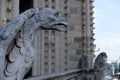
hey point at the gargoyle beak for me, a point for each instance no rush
(60, 26)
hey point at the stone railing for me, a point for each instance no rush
(78, 74)
(67, 75)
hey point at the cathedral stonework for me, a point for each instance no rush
(57, 52)
(16, 62)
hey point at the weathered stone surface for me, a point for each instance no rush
(16, 38)
(101, 64)
(83, 62)
(100, 61)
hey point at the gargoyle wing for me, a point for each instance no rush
(8, 33)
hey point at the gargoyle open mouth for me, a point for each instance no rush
(59, 26)
(56, 26)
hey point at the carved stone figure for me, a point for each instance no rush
(100, 61)
(16, 39)
(83, 62)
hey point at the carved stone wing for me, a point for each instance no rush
(7, 35)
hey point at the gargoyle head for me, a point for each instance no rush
(50, 19)
(103, 54)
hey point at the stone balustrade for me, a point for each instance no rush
(77, 74)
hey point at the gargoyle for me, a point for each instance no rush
(83, 62)
(100, 61)
(16, 38)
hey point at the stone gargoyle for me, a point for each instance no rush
(16, 37)
(101, 61)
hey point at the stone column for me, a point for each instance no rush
(15, 7)
(2, 11)
(35, 3)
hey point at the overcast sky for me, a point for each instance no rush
(107, 27)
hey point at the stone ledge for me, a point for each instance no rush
(66, 74)
(55, 75)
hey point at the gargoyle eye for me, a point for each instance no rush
(56, 14)
(52, 18)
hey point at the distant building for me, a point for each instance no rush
(58, 51)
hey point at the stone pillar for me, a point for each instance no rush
(35, 3)
(15, 7)
(8, 9)
(2, 11)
